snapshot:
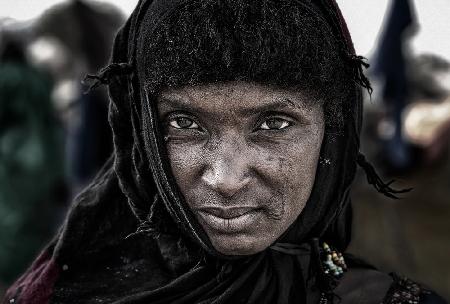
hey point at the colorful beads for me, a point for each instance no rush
(334, 261)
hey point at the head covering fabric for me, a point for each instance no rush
(327, 217)
(142, 145)
(131, 238)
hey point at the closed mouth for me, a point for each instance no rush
(229, 220)
(227, 213)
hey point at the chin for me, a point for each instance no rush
(238, 244)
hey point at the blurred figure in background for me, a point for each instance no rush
(408, 123)
(83, 32)
(390, 67)
(51, 134)
(31, 160)
(414, 118)
(426, 119)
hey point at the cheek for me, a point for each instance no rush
(185, 161)
(295, 174)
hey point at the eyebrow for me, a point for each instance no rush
(272, 106)
(267, 106)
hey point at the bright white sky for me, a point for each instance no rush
(364, 20)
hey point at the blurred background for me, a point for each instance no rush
(53, 138)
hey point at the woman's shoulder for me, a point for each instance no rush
(369, 286)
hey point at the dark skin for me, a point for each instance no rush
(244, 156)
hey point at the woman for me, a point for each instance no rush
(236, 132)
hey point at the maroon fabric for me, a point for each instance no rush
(35, 286)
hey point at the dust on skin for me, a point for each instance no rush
(244, 156)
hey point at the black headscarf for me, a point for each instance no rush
(140, 150)
(153, 250)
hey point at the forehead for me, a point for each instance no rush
(237, 96)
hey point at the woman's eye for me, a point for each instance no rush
(274, 124)
(183, 123)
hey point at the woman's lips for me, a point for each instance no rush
(229, 220)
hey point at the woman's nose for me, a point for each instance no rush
(227, 172)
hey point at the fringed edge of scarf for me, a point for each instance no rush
(358, 64)
(374, 179)
(106, 74)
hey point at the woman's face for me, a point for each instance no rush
(244, 156)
